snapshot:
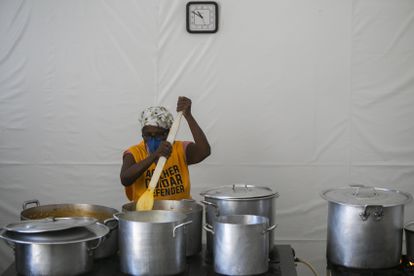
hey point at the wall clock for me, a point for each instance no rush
(202, 17)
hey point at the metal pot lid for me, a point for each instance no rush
(49, 224)
(360, 195)
(73, 235)
(239, 191)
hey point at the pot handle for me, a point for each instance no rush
(112, 223)
(362, 191)
(180, 225)
(208, 228)
(240, 186)
(116, 216)
(32, 201)
(100, 240)
(357, 185)
(271, 228)
(188, 200)
(211, 204)
(246, 187)
(376, 210)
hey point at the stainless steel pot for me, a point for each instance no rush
(103, 214)
(241, 244)
(152, 242)
(409, 240)
(193, 212)
(239, 199)
(64, 252)
(365, 226)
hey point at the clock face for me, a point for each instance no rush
(202, 17)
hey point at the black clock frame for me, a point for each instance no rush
(188, 17)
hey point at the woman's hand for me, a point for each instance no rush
(164, 149)
(184, 105)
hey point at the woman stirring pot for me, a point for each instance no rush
(139, 160)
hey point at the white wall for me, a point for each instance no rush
(297, 95)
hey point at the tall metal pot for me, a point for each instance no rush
(102, 213)
(152, 242)
(241, 244)
(239, 199)
(365, 226)
(66, 252)
(193, 212)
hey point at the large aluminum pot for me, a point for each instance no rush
(152, 242)
(65, 252)
(241, 244)
(365, 226)
(193, 212)
(103, 214)
(239, 199)
(409, 240)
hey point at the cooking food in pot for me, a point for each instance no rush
(102, 213)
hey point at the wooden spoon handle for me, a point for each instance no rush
(162, 159)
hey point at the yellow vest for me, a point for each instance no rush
(174, 182)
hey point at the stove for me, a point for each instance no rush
(405, 268)
(281, 264)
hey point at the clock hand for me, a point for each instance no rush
(198, 14)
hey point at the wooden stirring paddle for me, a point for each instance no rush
(146, 200)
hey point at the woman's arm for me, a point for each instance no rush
(200, 149)
(131, 170)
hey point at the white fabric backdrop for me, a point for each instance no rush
(296, 95)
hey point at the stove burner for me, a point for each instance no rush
(405, 268)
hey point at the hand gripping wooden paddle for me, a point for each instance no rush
(146, 201)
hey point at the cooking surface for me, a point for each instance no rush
(404, 269)
(281, 264)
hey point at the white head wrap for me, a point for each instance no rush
(157, 116)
